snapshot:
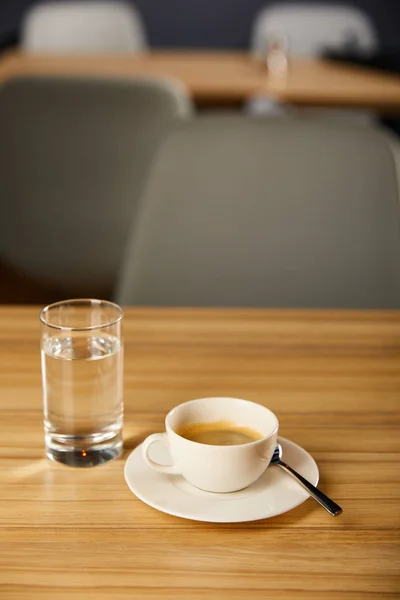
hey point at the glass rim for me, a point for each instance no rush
(76, 301)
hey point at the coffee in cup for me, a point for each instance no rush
(218, 433)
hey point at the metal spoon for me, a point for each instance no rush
(329, 505)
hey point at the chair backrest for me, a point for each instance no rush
(73, 156)
(312, 29)
(83, 26)
(274, 213)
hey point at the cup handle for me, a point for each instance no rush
(149, 441)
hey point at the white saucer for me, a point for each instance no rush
(273, 494)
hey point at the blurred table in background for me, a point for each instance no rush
(333, 379)
(227, 77)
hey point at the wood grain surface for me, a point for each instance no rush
(212, 76)
(333, 379)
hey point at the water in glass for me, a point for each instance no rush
(83, 397)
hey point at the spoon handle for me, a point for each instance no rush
(329, 505)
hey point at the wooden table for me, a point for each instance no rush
(333, 379)
(226, 77)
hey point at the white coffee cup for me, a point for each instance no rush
(217, 468)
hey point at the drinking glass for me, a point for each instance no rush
(277, 54)
(82, 375)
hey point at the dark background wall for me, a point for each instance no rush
(211, 23)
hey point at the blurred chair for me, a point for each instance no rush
(313, 30)
(264, 212)
(73, 156)
(82, 26)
